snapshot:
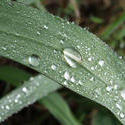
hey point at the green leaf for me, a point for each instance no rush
(26, 94)
(58, 107)
(96, 19)
(39, 40)
(113, 26)
(53, 102)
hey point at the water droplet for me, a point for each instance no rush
(66, 75)
(101, 62)
(72, 55)
(79, 82)
(72, 79)
(89, 59)
(123, 94)
(91, 79)
(53, 67)
(122, 115)
(16, 100)
(120, 57)
(45, 27)
(92, 68)
(24, 90)
(33, 60)
(108, 88)
(4, 48)
(65, 83)
(61, 41)
(7, 107)
(118, 106)
(115, 87)
(38, 32)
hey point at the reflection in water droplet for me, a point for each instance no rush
(7, 107)
(70, 62)
(72, 56)
(33, 60)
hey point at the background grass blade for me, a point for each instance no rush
(103, 118)
(53, 102)
(26, 94)
(58, 107)
(113, 26)
(38, 40)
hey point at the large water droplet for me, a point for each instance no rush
(72, 57)
(33, 60)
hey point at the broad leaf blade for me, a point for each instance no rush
(26, 31)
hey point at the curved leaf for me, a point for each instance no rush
(39, 40)
(26, 94)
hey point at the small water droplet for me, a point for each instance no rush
(122, 115)
(91, 79)
(72, 79)
(7, 107)
(101, 62)
(108, 88)
(33, 60)
(16, 100)
(79, 82)
(71, 56)
(24, 89)
(53, 67)
(61, 41)
(4, 48)
(92, 68)
(65, 83)
(38, 32)
(120, 57)
(66, 75)
(89, 59)
(45, 27)
(118, 106)
(123, 94)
